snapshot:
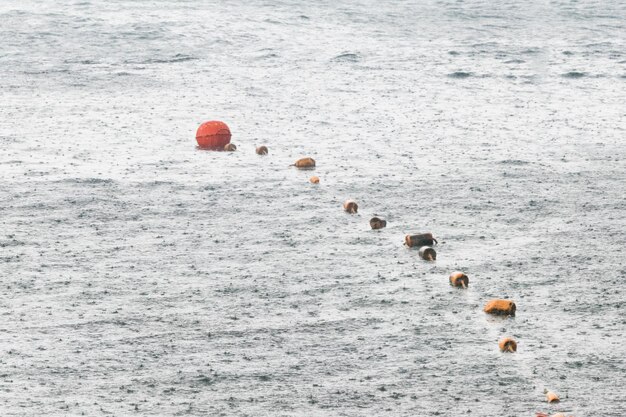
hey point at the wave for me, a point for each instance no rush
(347, 57)
(176, 58)
(514, 162)
(574, 74)
(460, 74)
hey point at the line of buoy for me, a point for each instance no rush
(215, 135)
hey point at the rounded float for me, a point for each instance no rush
(459, 279)
(507, 344)
(213, 135)
(377, 223)
(350, 206)
(500, 307)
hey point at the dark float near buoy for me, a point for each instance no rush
(419, 240)
(261, 150)
(427, 253)
(230, 147)
(376, 223)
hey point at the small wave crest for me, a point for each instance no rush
(347, 57)
(460, 74)
(574, 74)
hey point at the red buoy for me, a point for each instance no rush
(213, 135)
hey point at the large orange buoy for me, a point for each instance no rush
(213, 135)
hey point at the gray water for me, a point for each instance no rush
(142, 276)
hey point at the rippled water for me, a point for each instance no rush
(141, 276)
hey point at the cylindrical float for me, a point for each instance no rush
(213, 135)
(261, 150)
(500, 307)
(314, 180)
(428, 253)
(305, 163)
(421, 239)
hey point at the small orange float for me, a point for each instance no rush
(314, 180)
(507, 344)
(213, 135)
(350, 206)
(305, 163)
(459, 279)
(500, 307)
(552, 397)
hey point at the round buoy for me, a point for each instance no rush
(213, 135)
(427, 253)
(261, 150)
(500, 307)
(230, 147)
(376, 223)
(507, 345)
(350, 206)
(314, 180)
(459, 279)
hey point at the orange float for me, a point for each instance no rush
(314, 180)
(552, 397)
(507, 345)
(459, 279)
(213, 135)
(350, 206)
(500, 307)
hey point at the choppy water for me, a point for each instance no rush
(141, 276)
